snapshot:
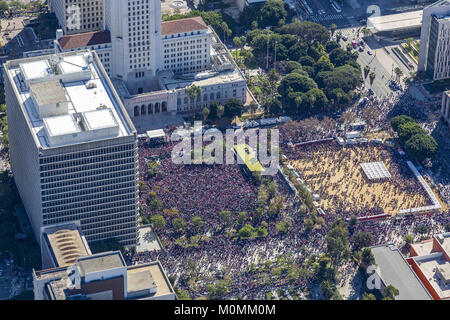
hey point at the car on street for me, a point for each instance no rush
(361, 49)
(369, 52)
(344, 38)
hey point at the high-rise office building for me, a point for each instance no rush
(73, 147)
(76, 16)
(434, 54)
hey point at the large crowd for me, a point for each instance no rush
(205, 191)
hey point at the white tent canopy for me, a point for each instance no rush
(154, 134)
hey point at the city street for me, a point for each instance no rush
(382, 62)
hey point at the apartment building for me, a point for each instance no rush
(434, 53)
(73, 147)
(77, 16)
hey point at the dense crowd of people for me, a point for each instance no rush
(333, 172)
(205, 191)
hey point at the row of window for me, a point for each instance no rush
(97, 213)
(93, 204)
(82, 169)
(85, 183)
(93, 187)
(79, 162)
(86, 174)
(85, 154)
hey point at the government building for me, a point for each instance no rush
(153, 64)
(73, 147)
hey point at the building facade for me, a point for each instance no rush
(434, 53)
(73, 147)
(135, 28)
(77, 16)
(445, 109)
(186, 45)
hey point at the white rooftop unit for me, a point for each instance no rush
(86, 126)
(49, 99)
(36, 71)
(74, 68)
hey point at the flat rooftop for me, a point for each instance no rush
(86, 90)
(412, 19)
(100, 262)
(156, 273)
(67, 246)
(429, 266)
(423, 248)
(396, 271)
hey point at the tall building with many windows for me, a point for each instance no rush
(76, 16)
(135, 28)
(73, 147)
(434, 54)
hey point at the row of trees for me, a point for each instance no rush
(319, 75)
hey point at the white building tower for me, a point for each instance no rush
(135, 27)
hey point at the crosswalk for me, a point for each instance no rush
(327, 17)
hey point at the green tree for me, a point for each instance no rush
(283, 226)
(197, 222)
(368, 296)
(338, 242)
(233, 107)
(272, 12)
(333, 28)
(409, 129)
(421, 146)
(409, 238)
(362, 239)
(178, 224)
(246, 231)
(225, 216)
(327, 289)
(367, 257)
(390, 292)
(242, 217)
(3, 7)
(156, 205)
(158, 221)
(397, 121)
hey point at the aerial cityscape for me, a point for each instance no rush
(225, 150)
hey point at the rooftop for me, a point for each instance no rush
(67, 246)
(90, 101)
(183, 25)
(80, 40)
(100, 262)
(429, 266)
(151, 275)
(396, 21)
(395, 270)
(49, 92)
